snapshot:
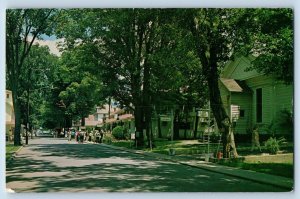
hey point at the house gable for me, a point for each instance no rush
(275, 96)
(237, 69)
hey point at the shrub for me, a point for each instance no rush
(118, 132)
(273, 145)
(107, 139)
(126, 133)
(89, 129)
(214, 138)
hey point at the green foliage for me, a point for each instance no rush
(268, 34)
(273, 145)
(285, 120)
(10, 150)
(281, 124)
(82, 90)
(133, 42)
(37, 78)
(107, 139)
(126, 133)
(23, 26)
(118, 132)
(89, 129)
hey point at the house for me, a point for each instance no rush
(105, 114)
(10, 116)
(251, 98)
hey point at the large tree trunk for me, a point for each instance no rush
(17, 111)
(147, 103)
(159, 127)
(109, 104)
(185, 123)
(223, 121)
(207, 53)
(196, 126)
(138, 119)
(82, 121)
(176, 124)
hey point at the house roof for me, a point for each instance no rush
(110, 120)
(231, 85)
(125, 116)
(92, 123)
(121, 118)
(238, 69)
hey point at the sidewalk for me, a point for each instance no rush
(278, 181)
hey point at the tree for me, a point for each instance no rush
(268, 35)
(132, 48)
(83, 89)
(23, 26)
(36, 82)
(213, 33)
(221, 33)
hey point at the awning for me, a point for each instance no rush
(231, 85)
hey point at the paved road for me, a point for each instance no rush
(54, 165)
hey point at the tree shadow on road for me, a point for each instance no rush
(70, 168)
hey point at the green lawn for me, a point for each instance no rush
(162, 146)
(280, 169)
(10, 149)
(284, 169)
(123, 143)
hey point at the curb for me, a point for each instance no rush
(284, 183)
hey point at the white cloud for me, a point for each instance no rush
(52, 44)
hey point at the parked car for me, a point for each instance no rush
(44, 132)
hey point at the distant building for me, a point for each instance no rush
(258, 98)
(105, 115)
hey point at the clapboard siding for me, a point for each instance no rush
(259, 81)
(276, 96)
(244, 100)
(283, 96)
(283, 101)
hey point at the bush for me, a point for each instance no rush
(126, 133)
(118, 132)
(107, 139)
(273, 145)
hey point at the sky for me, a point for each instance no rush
(51, 42)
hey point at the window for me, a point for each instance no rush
(242, 113)
(259, 105)
(7, 96)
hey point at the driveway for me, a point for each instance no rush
(56, 165)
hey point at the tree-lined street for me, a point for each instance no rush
(218, 79)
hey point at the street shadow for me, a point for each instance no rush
(94, 168)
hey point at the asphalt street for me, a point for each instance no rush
(56, 165)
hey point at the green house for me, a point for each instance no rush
(254, 98)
